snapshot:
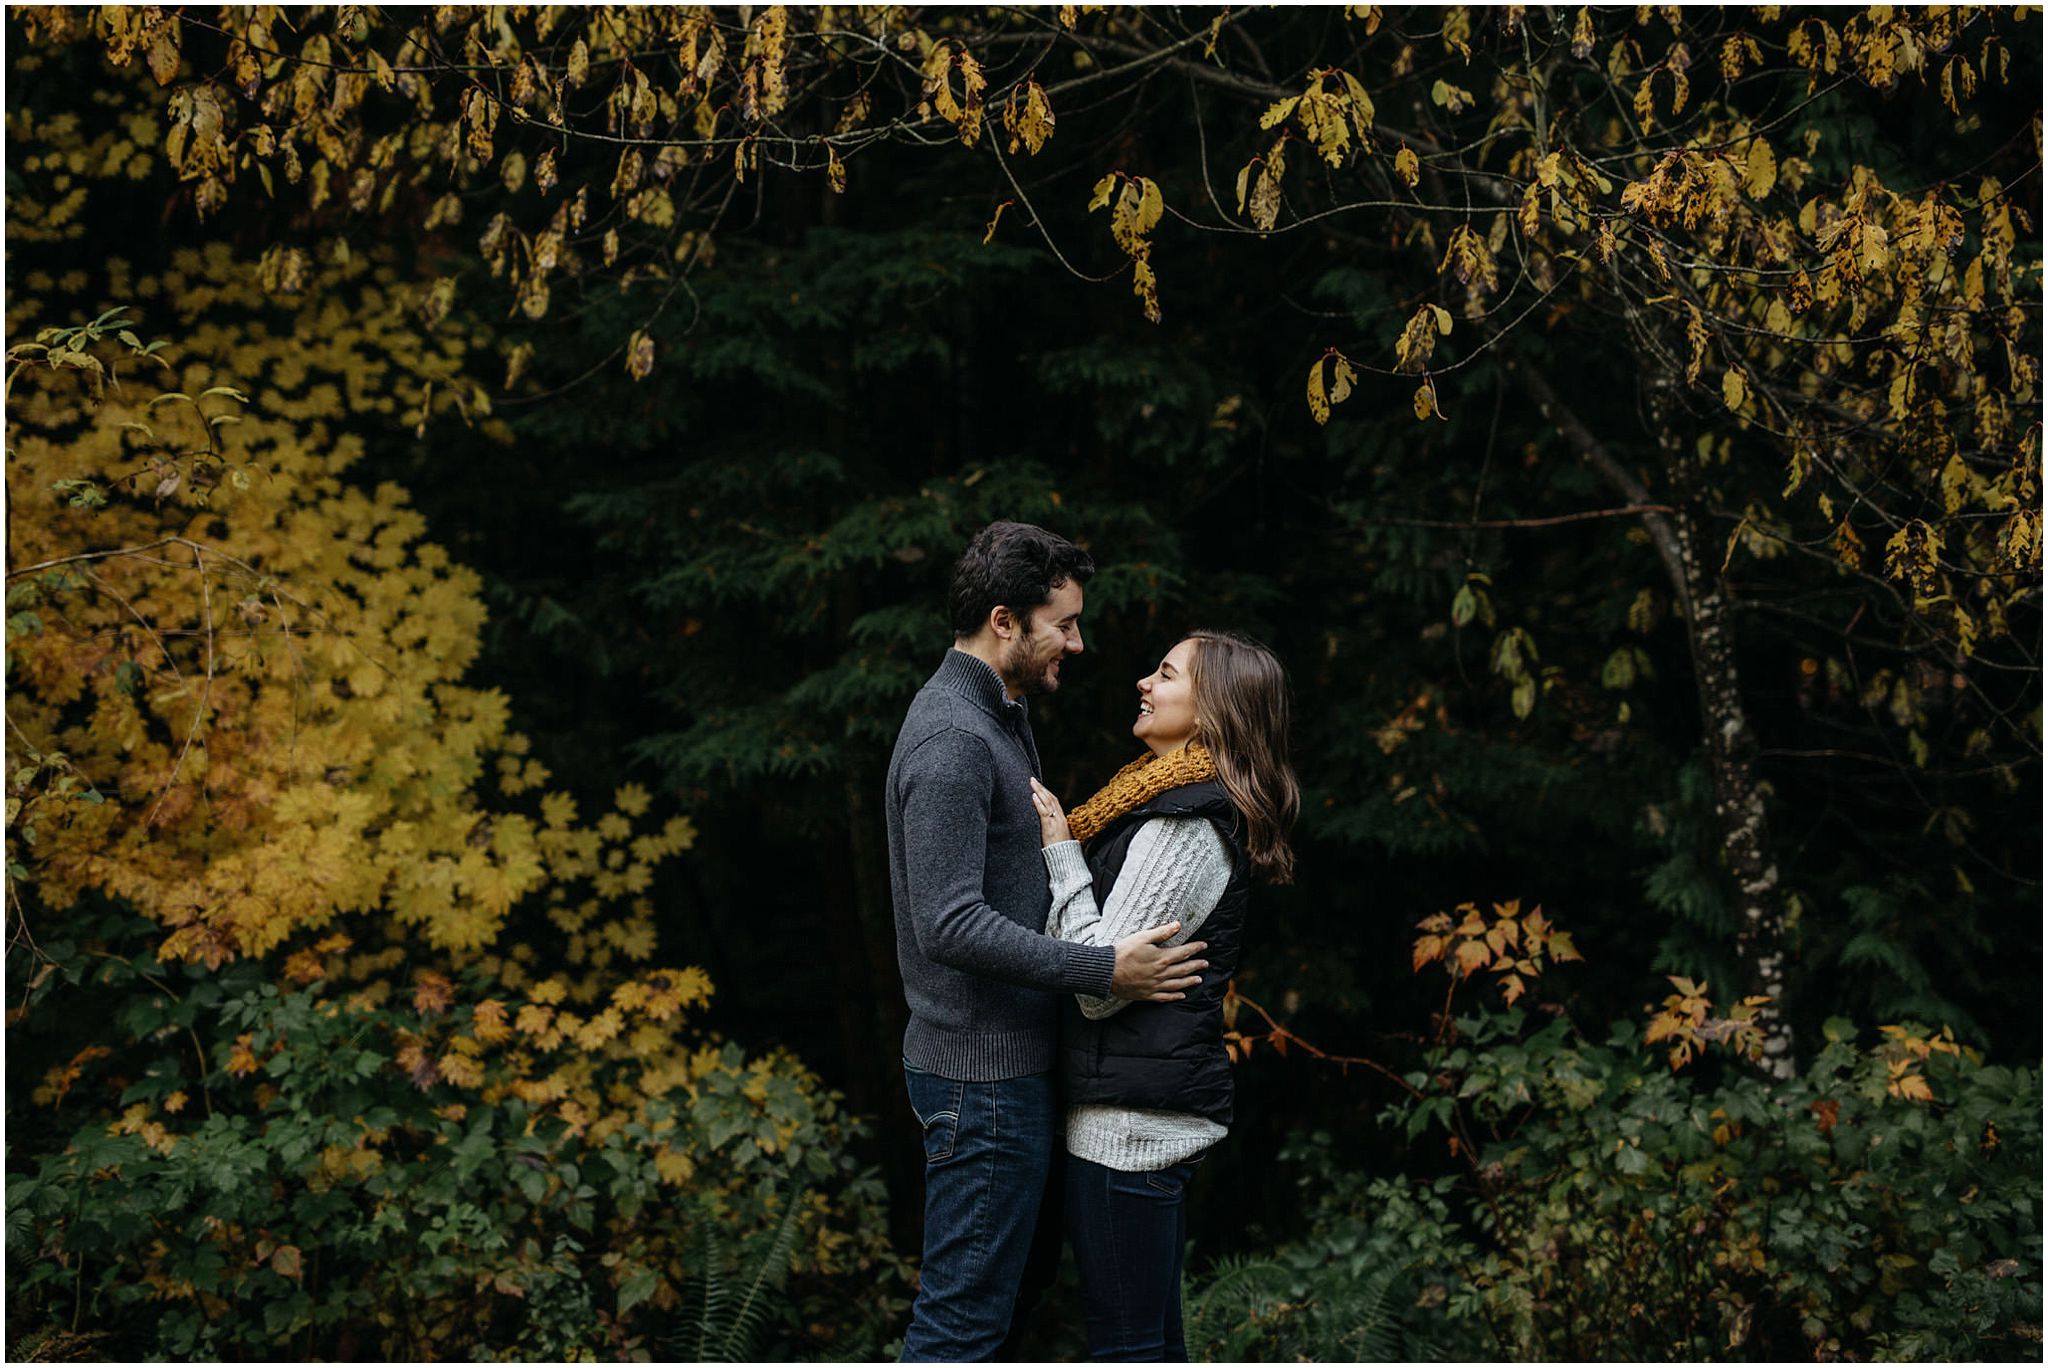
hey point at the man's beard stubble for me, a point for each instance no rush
(1031, 677)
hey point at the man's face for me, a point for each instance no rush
(1031, 659)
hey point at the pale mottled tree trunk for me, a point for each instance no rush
(1731, 743)
(1694, 568)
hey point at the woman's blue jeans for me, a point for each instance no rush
(1128, 1231)
(988, 1148)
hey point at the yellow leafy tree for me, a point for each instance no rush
(256, 665)
(237, 707)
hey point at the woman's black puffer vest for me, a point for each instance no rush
(1163, 1056)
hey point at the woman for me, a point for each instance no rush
(1178, 835)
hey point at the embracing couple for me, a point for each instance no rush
(1066, 972)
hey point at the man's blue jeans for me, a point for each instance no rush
(1128, 1231)
(988, 1150)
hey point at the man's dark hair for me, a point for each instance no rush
(1014, 565)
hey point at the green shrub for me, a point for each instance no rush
(1886, 1204)
(322, 1193)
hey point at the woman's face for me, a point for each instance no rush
(1166, 702)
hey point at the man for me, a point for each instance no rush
(971, 899)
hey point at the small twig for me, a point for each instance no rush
(1278, 1033)
(91, 555)
(1631, 510)
(1038, 221)
(205, 1093)
(141, 621)
(205, 694)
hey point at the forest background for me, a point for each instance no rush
(481, 484)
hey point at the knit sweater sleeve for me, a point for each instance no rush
(1175, 870)
(945, 794)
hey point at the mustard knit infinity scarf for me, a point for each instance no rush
(1138, 783)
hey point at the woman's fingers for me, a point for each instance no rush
(1052, 818)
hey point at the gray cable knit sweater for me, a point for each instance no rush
(970, 888)
(1175, 870)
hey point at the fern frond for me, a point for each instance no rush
(1237, 1286)
(769, 1273)
(711, 1319)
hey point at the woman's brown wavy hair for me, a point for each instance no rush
(1240, 695)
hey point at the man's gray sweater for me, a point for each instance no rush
(970, 886)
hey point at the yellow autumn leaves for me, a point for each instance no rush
(1333, 376)
(282, 745)
(1135, 206)
(945, 60)
(1334, 115)
(262, 679)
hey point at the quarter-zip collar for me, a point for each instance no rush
(976, 680)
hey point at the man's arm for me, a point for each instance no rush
(1174, 874)
(946, 786)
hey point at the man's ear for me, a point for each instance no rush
(1003, 621)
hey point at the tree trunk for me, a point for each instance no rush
(1688, 556)
(1731, 743)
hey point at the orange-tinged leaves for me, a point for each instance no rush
(303, 967)
(1661, 1027)
(1472, 956)
(432, 993)
(488, 1022)
(242, 1058)
(1912, 1087)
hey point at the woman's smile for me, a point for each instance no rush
(1166, 702)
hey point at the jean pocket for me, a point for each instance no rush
(935, 1101)
(1171, 1180)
